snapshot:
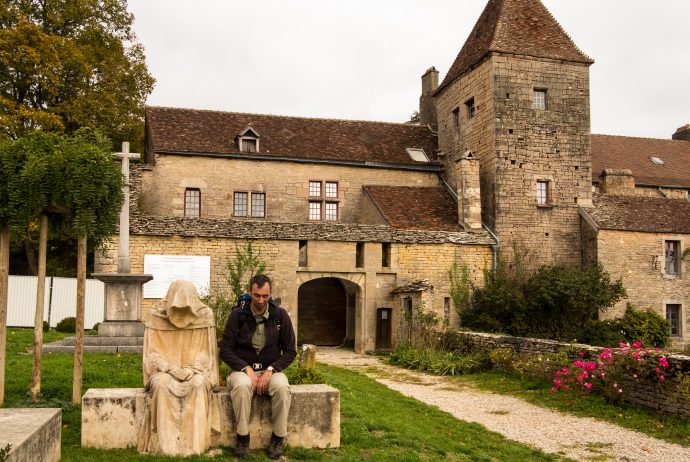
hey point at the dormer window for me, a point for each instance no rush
(248, 140)
(417, 154)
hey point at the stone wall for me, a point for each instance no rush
(518, 146)
(638, 260)
(285, 184)
(662, 397)
(410, 260)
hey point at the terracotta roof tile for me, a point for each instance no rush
(521, 27)
(421, 208)
(202, 131)
(640, 213)
(634, 154)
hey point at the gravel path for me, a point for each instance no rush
(580, 438)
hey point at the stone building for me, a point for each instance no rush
(360, 221)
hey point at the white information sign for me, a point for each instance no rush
(168, 268)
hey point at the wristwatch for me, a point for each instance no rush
(271, 368)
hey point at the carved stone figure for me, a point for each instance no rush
(180, 368)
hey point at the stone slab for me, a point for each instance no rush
(120, 329)
(112, 417)
(33, 433)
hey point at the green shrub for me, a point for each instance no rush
(648, 327)
(67, 325)
(608, 333)
(556, 302)
(439, 362)
(301, 375)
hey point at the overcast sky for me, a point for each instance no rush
(358, 59)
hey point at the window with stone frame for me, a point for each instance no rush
(539, 99)
(456, 117)
(386, 254)
(249, 204)
(673, 317)
(192, 202)
(469, 104)
(543, 194)
(323, 201)
(672, 257)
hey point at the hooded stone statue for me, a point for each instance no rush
(180, 369)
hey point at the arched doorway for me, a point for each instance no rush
(325, 310)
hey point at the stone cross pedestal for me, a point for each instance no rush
(123, 291)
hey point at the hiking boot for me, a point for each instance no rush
(275, 449)
(242, 446)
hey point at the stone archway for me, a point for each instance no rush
(326, 311)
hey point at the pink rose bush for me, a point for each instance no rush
(607, 371)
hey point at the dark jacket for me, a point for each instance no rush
(236, 345)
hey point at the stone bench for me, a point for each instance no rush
(34, 433)
(111, 418)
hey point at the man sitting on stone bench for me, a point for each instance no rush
(258, 344)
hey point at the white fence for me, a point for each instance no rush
(60, 301)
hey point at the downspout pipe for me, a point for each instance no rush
(495, 246)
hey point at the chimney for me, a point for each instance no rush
(617, 181)
(469, 199)
(427, 105)
(683, 133)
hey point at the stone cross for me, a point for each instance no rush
(123, 261)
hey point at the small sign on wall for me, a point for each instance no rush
(168, 268)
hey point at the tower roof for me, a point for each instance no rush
(521, 27)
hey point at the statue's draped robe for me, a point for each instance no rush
(180, 415)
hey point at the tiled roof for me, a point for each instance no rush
(422, 208)
(201, 131)
(640, 213)
(522, 27)
(634, 154)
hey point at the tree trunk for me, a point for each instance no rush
(30, 252)
(79, 334)
(4, 281)
(40, 300)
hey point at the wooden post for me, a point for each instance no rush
(79, 334)
(4, 283)
(40, 301)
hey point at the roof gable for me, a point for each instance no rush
(635, 154)
(521, 27)
(174, 130)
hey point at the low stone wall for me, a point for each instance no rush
(111, 418)
(661, 397)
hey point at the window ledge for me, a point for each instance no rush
(545, 206)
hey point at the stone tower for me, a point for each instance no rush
(517, 97)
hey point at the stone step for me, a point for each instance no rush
(96, 340)
(34, 434)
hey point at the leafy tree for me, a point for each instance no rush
(66, 64)
(460, 287)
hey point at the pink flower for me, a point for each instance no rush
(615, 385)
(663, 362)
(558, 373)
(553, 389)
(662, 378)
(581, 353)
(588, 386)
(637, 344)
(566, 387)
(634, 376)
(658, 370)
(636, 355)
(620, 390)
(590, 366)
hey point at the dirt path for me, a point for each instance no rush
(584, 439)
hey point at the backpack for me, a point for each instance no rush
(244, 305)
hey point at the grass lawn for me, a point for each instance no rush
(377, 424)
